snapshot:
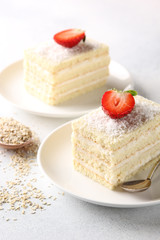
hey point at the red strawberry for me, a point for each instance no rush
(69, 38)
(117, 103)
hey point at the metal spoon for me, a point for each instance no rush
(15, 146)
(140, 185)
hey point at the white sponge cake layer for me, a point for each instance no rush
(54, 57)
(115, 133)
(113, 158)
(98, 178)
(121, 172)
(78, 81)
(55, 94)
(87, 66)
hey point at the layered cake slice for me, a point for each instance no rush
(65, 67)
(112, 143)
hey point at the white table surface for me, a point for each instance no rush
(132, 30)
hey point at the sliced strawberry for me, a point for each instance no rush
(117, 104)
(70, 37)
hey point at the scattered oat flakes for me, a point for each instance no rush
(19, 193)
(33, 212)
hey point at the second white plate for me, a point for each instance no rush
(55, 160)
(11, 88)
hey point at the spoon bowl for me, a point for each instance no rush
(137, 185)
(13, 134)
(140, 185)
(15, 146)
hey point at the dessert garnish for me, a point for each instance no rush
(117, 104)
(70, 37)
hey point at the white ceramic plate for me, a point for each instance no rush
(11, 88)
(55, 160)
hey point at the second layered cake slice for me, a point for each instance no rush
(55, 74)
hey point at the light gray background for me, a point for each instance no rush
(132, 30)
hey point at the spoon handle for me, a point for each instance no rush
(156, 165)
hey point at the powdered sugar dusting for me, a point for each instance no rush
(144, 110)
(57, 53)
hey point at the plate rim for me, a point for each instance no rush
(89, 200)
(46, 114)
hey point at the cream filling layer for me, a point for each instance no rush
(114, 181)
(77, 79)
(59, 95)
(121, 164)
(88, 62)
(121, 150)
(83, 87)
(91, 169)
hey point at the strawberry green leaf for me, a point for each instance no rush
(134, 93)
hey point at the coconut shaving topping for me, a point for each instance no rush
(58, 53)
(143, 111)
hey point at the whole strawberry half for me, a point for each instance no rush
(69, 38)
(117, 103)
